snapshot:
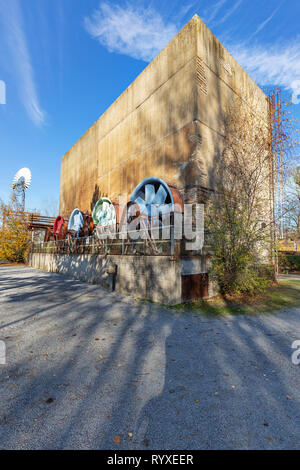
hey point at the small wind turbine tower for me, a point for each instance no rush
(20, 184)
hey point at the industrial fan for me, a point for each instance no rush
(151, 199)
(104, 216)
(152, 193)
(75, 222)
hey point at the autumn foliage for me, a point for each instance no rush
(14, 235)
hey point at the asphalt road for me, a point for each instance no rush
(88, 369)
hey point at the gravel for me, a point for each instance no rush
(85, 366)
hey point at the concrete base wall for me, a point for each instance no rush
(157, 278)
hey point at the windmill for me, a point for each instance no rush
(20, 184)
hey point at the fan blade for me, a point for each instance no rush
(160, 196)
(149, 193)
(142, 205)
(140, 194)
(165, 208)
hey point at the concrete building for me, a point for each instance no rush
(166, 124)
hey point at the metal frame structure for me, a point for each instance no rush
(34, 221)
(115, 245)
(276, 116)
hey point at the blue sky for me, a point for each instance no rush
(65, 61)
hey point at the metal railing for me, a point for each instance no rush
(143, 242)
(94, 246)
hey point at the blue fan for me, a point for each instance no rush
(152, 193)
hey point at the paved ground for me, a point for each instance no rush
(289, 277)
(114, 366)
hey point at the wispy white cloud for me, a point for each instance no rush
(296, 91)
(137, 32)
(229, 13)
(267, 20)
(142, 33)
(185, 9)
(213, 11)
(13, 29)
(279, 65)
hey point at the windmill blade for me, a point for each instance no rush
(160, 196)
(20, 184)
(22, 177)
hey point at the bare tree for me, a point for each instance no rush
(240, 214)
(292, 204)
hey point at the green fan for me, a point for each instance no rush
(104, 213)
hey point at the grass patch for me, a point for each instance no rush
(284, 294)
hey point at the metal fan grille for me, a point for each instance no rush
(151, 193)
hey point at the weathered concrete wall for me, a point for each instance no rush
(220, 80)
(167, 123)
(155, 278)
(128, 142)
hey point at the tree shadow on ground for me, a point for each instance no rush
(115, 366)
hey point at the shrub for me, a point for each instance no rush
(288, 263)
(238, 213)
